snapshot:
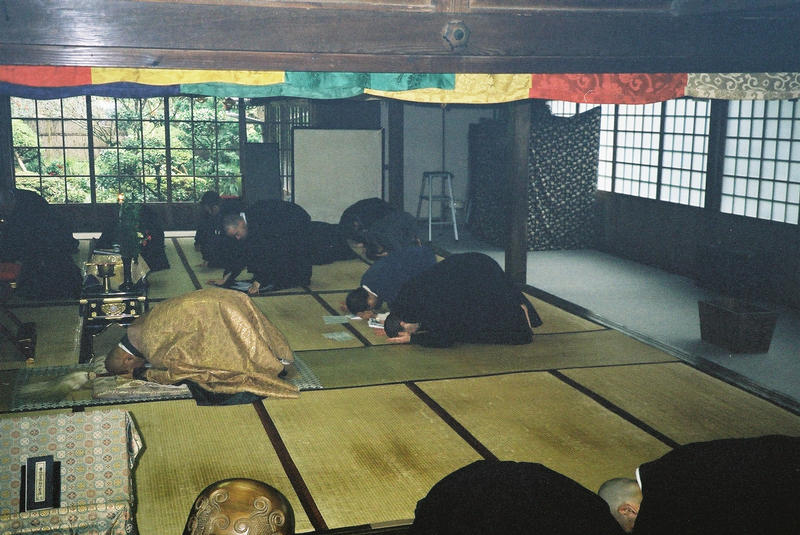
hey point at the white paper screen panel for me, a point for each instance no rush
(335, 168)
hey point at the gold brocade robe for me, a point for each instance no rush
(217, 339)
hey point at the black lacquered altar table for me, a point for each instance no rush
(100, 308)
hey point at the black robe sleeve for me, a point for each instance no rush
(511, 498)
(723, 486)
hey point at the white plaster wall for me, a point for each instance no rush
(423, 147)
(422, 138)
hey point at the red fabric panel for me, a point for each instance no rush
(45, 76)
(637, 88)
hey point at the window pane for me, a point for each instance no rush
(79, 189)
(75, 108)
(51, 145)
(107, 188)
(763, 159)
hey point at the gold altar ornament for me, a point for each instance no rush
(240, 507)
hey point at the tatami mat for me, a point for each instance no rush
(170, 282)
(554, 319)
(393, 363)
(536, 417)
(685, 404)
(189, 447)
(336, 301)
(341, 275)
(301, 319)
(57, 336)
(195, 261)
(368, 454)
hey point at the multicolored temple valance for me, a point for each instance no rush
(45, 82)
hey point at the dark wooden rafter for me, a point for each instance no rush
(504, 35)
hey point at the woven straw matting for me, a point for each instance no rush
(685, 404)
(536, 417)
(368, 454)
(341, 275)
(394, 363)
(337, 302)
(189, 447)
(300, 319)
(57, 336)
(170, 282)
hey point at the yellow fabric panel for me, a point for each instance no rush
(469, 89)
(105, 75)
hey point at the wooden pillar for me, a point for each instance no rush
(6, 143)
(519, 126)
(395, 152)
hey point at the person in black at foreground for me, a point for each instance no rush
(747, 486)
(511, 498)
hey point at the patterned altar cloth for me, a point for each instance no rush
(97, 451)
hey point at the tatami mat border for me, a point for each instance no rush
(352, 330)
(298, 483)
(729, 376)
(454, 424)
(185, 262)
(478, 375)
(619, 411)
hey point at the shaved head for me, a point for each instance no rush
(623, 497)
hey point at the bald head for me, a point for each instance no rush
(623, 497)
(120, 362)
(235, 226)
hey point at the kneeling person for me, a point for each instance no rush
(214, 338)
(729, 486)
(464, 298)
(383, 280)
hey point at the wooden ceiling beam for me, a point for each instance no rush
(200, 36)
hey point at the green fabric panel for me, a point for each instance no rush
(326, 85)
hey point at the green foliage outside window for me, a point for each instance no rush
(130, 149)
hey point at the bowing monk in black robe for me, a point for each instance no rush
(464, 298)
(32, 235)
(210, 239)
(510, 498)
(746, 486)
(378, 227)
(274, 245)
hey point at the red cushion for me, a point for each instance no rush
(9, 271)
